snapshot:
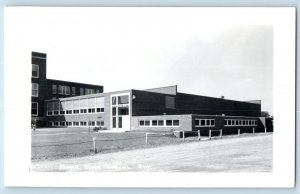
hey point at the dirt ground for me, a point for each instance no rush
(243, 154)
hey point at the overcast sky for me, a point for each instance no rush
(139, 49)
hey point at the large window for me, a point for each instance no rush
(123, 99)
(205, 122)
(81, 91)
(34, 89)
(73, 91)
(65, 90)
(34, 108)
(35, 71)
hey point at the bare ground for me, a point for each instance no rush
(244, 154)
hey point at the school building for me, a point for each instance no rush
(69, 104)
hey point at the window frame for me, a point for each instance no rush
(37, 90)
(38, 71)
(37, 108)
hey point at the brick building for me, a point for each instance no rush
(45, 89)
(159, 109)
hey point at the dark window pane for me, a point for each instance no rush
(147, 123)
(114, 122)
(197, 123)
(202, 122)
(114, 111)
(114, 100)
(142, 123)
(120, 122)
(169, 122)
(212, 122)
(123, 111)
(160, 122)
(154, 122)
(175, 122)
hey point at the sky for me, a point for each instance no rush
(201, 52)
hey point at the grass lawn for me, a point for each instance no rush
(57, 143)
(49, 144)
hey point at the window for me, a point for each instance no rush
(50, 124)
(154, 122)
(54, 89)
(142, 123)
(255, 122)
(169, 122)
(89, 91)
(81, 92)
(82, 111)
(35, 71)
(97, 91)
(83, 123)
(75, 111)
(100, 109)
(160, 122)
(100, 123)
(147, 123)
(123, 111)
(75, 123)
(62, 112)
(35, 89)
(91, 123)
(56, 112)
(49, 113)
(55, 123)
(114, 100)
(68, 112)
(34, 108)
(65, 90)
(73, 91)
(91, 110)
(114, 111)
(175, 122)
(202, 122)
(244, 122)
(62, 123)
(123, 99)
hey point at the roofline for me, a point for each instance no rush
(218, 98)
(73, 82)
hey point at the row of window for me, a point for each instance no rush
(239, 122)
(77, 111)
(205, 122)
(158, 123)
(75, 123)
(66, 90)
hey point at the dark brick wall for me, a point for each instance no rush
(194, 104)
(41, 80)
(50, 82)
(149, 103)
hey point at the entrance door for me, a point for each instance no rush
(120, 109)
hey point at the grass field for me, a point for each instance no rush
(57, 143)
(50, 144)
(240, 154)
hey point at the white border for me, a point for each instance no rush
(17, 105)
